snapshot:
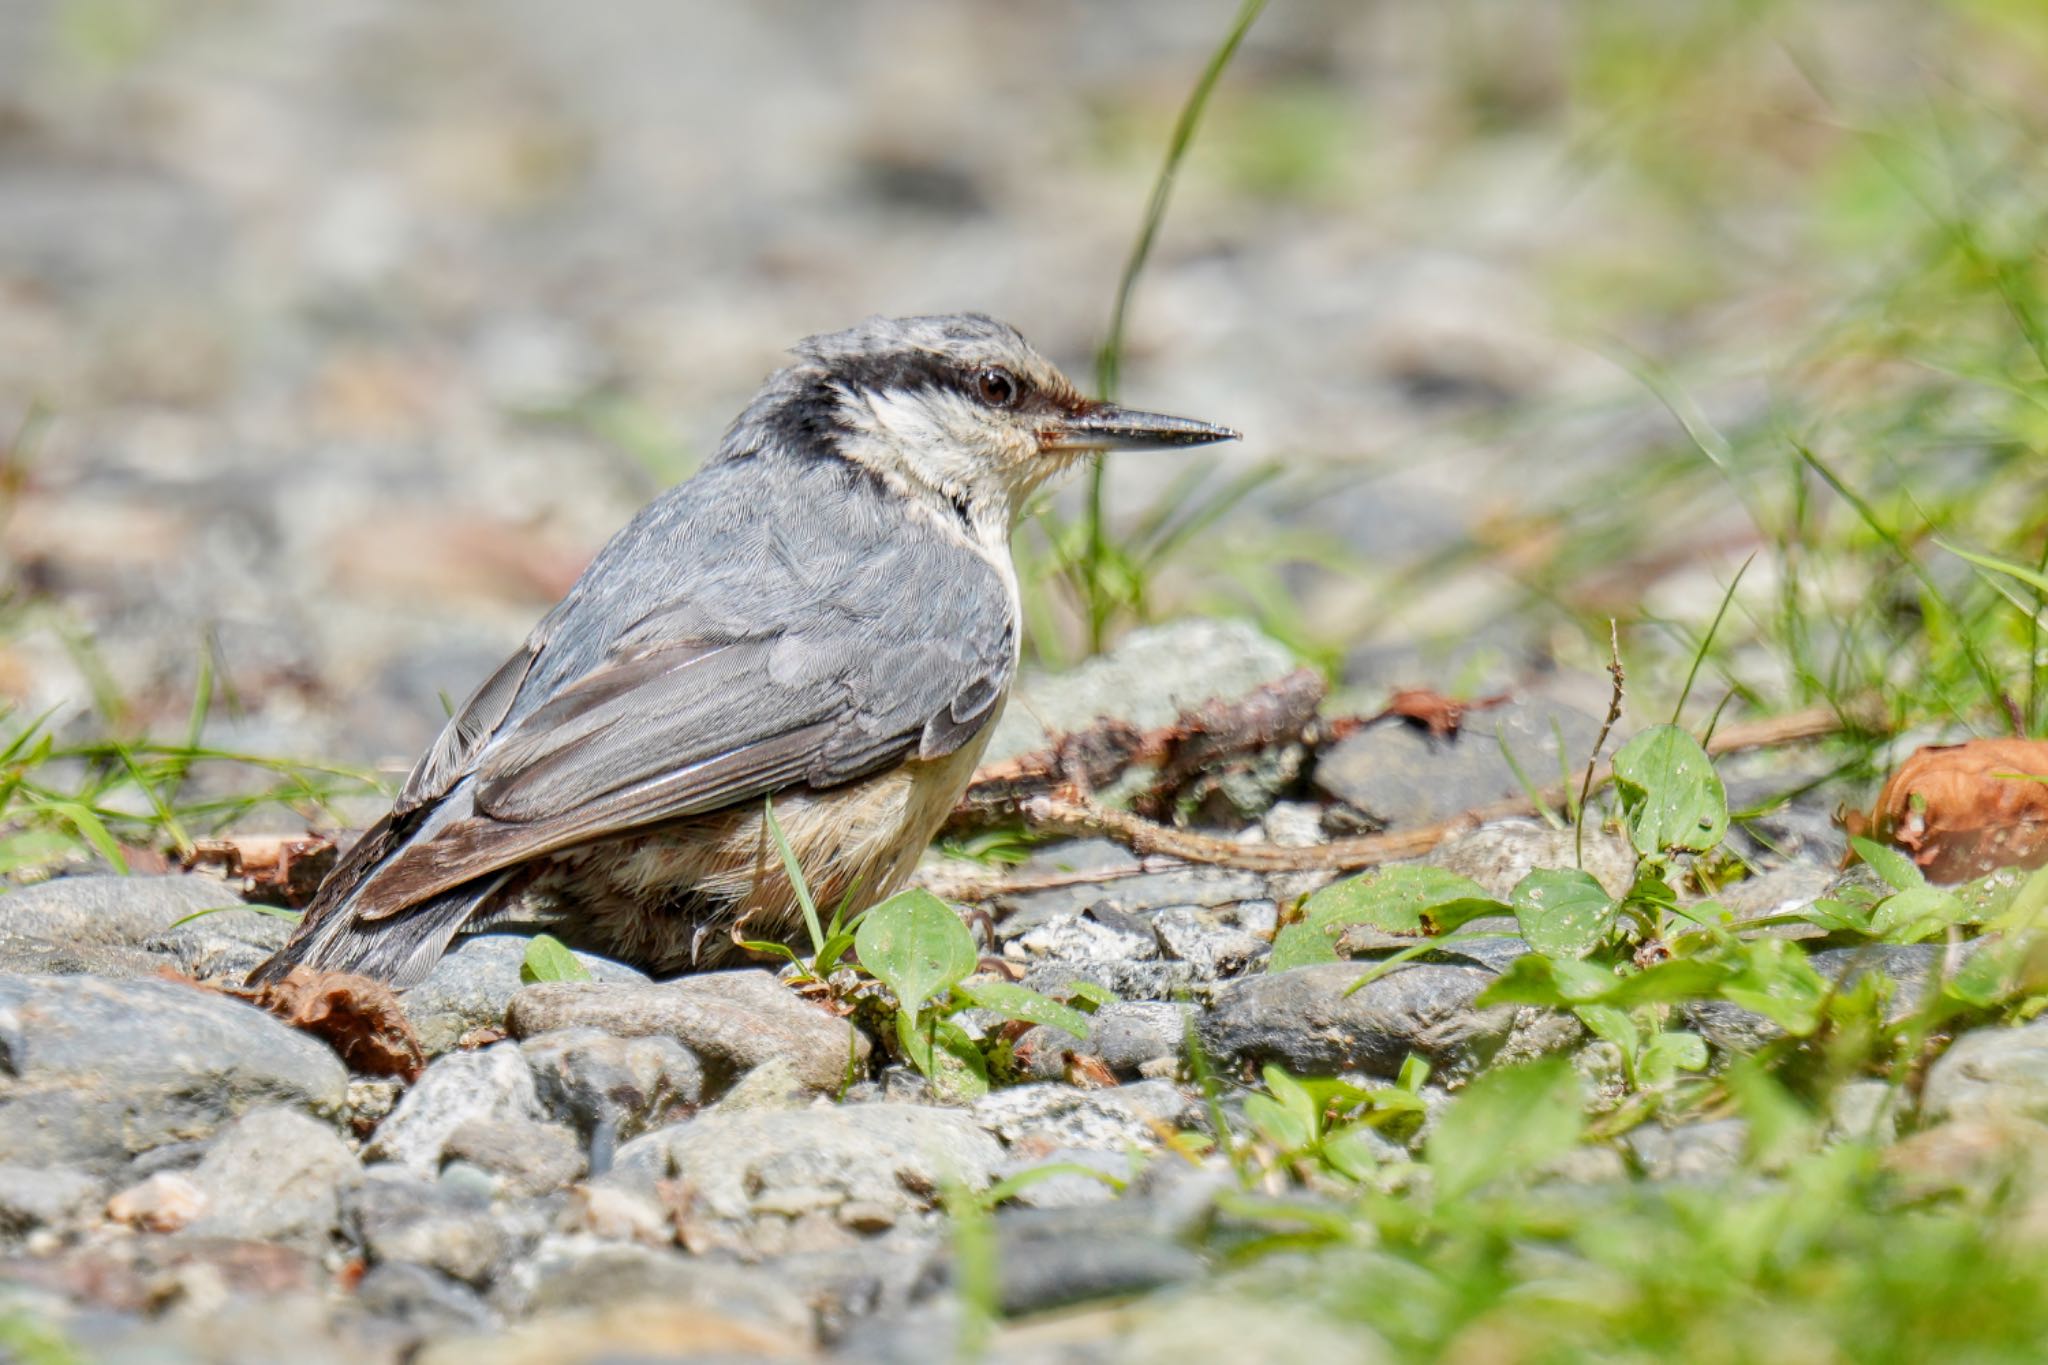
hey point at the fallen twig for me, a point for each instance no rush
(1073, 813)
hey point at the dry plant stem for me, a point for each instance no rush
(1614, 671)
(1082, 815)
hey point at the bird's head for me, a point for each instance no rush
(957, 406)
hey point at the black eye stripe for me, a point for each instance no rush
(912, 371)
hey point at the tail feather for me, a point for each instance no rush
(400, 950)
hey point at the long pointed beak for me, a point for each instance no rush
(1105, 426)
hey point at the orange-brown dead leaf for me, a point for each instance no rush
(358, 1017)
(1962, 810)
(1088, 1072)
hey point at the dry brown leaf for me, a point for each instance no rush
(1088, 1072)
(278, 869)
(1962, 810)
(358, 1017)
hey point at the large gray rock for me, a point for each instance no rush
(123, 927)
(490, 1086)
(1990, 1073)
(1147, 681)
(1305, 1021)
(473, 984)
(858, 1162)
(732, 1021)
(592, 1080)
(1397, 774)
(274, 1175)
(93, 1072)
(34, 1197)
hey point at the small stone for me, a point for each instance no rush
(1399, 775)
(1692, 1151)
(37, 1197)
(1034, 1120)
(732, 1021)
(1052, 1258)
(399, 1217)
(1309, 1021)
(568, 1276)
(165, 1202)
(1125, 1035)
(893, 1155)
(527, 1157)
(420, 1302)
(774, 1084)
(98, 1071)
(1499, 855)
(274, 1175)
(1990, 1074)
(473, 984)
(489, 1086)
(590, 1079)
(612, 1213)
(1215, 948)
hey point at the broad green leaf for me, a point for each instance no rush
(1019, 1002)
(1915, 913)
(1277, 1124)
(1900, 873)
(1613, 1026)
(1300, 945)
(1353, 1152)
(1406, 901)
(1534, 979)
(547, 959)
(1088, 996)
(1667, 1054)
(1563, 912)
(1671, 797)
(942, 1051)
(915, 945)
(1294, 1097)
(1510, 1120)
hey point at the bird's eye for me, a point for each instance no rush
(998, 388)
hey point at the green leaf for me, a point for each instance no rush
(253, 907)
(1671, 797)
(1563, 912)
(1509, 1120)
(1018, 1002)
(1089, 996)
(792, 869)
(1353, 1152)
(1915, 913)
(1667, 1054)
(1406, 901)
(1534, 979)
(1614, 1026)
(547, 959)
(915, 945)
(1900, 872)
(1277, 1124)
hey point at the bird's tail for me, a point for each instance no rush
(399, 950)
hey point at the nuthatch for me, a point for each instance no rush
(825, 617)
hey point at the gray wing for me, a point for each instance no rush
(743, 638)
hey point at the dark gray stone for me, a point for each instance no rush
(1990, 1074)
(1396, 774)
(33, 1197)
(1032, 1119)
(1305, 1021)
(592, 1080)
(93, 1072)
(474, 983)
(122, 927)
(1069, 1263)
(491, 1086)
(274, 1175)
(527, 1157)
(889, 1157)
(412, 1302)
(1125, 1036)
(731, 1021)
(446, 1225)
(1909, 965)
